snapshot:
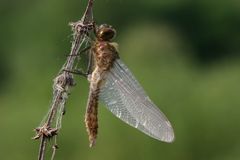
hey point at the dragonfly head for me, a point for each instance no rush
(105, 32)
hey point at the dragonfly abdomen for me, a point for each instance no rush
(91, 117)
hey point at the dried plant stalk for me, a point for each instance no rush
(51, 124)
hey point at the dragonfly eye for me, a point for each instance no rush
(105, 32)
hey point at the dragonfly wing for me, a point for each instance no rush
(126, 99)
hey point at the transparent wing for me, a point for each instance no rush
(126, 99)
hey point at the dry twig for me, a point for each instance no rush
(51, 125)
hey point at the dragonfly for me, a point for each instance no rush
(113, 83)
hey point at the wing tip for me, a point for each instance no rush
(169, 135)
(170, 138)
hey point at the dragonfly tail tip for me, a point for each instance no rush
(92, 143)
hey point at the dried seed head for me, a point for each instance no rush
(46, 131)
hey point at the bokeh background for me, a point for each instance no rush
(184, 53)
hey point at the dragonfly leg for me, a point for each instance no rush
(77, 71)
(94, 28)
(90, 64)
(80, 52)
(81, 72)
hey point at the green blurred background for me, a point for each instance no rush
(184, 53)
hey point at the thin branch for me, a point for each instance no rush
(63, 82)
(54, 147)
(42, 148)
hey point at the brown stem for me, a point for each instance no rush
(42, 148)
(63, 79)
